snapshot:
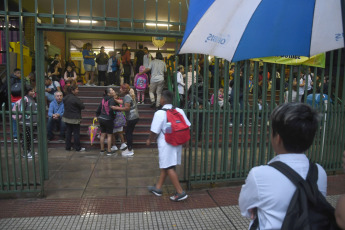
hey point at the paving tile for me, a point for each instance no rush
(66, 193)
(96, 182)
(104, 192)
(67, 184)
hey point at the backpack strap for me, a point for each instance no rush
(309, 185)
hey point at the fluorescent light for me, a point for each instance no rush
(83, 21)
(158, 24)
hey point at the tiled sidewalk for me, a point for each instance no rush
(125, 203)
(205, 209)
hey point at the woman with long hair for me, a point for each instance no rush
(105, 116)
(72, 117)
(126, 63)
(130, 107)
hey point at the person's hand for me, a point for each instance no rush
(252, 213)
(148, 142)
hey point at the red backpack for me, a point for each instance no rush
(180, 133)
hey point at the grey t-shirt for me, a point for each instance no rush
(158, 68)
(133, 112)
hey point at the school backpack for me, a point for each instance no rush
(308, 208)
(105, 106)
(141, 82)
(180, 132)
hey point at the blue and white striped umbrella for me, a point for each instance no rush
(243, 29)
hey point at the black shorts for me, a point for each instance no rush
(106, 126)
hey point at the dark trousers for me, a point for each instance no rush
(127, 74)
(129, 132)
(28, 138)
(114, 78)
(75, 129)
(52, 123)
(101, 77)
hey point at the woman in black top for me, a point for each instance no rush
(105, 116)
(72, 117)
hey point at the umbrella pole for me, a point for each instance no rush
(342, 3)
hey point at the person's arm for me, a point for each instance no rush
(74, 76)
(65, 76)
(98, 111)
(127, 107)
(51, 110)
(249, 198)
(145, 71)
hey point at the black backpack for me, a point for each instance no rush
(308, 208)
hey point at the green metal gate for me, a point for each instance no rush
(221, 150)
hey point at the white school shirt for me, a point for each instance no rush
(270, 191)
(179, 79)
(168, 154)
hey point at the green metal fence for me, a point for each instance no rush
(226, 141)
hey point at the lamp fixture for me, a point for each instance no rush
(158, 24)
(82, 21)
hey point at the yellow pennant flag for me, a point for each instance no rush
(316, 60)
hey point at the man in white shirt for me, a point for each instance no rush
(267, 192)
(157, 68)
(169, 155)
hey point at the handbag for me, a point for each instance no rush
(120, 120)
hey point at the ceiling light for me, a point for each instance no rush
(82, 21)
(158, 24)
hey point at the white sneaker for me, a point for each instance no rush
(93, 85)
(87, 84)
(123, 146)
(127, 153)
(81, 150)
(114, 148)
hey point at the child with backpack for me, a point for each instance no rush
(170, 126)
(105, 116)
(140, 84)
(29, 103)
(271, 197)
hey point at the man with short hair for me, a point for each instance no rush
(50, 88)
(55, 112)
(267, 192)
(169, 155)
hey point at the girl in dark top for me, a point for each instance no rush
(105, 116)
(72, 117)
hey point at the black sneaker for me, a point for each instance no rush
(179, 196)
(154, 190)
(102, 152)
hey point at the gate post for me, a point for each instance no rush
(41, 111)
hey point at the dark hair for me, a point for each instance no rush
(145, 48)
(159, 56)
(16, 69)
(296, 124)
(27, 88)
(140, 46)
(56, 55)
(168, 96)
(106, 91)
(71, 88)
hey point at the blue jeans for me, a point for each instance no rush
(52, 123)
(14, 126)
